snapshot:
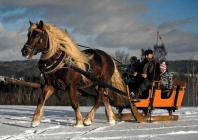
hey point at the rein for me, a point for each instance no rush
(87, 47)
(96, 81)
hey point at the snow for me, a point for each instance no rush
(59, 123)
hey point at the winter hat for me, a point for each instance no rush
(133, 59)
(149, 51)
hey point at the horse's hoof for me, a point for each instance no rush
(112, 122)
(35, 124)
(87, 122)
(79, 125)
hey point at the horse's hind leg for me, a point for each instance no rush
(46, 93)
(109, 112)
(88, 120)
(75, 105)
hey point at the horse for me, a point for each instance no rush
(57, 49)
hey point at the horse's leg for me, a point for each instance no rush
(75, 105)
(46, 93)
(91, 114)
(109, 112)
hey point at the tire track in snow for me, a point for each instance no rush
(150, 136)
(96, 129)
(150, 128)
(29, 133)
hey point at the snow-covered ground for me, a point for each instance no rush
(58, 123)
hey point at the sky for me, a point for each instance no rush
(110, 25)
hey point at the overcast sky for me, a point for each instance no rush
(110, 25)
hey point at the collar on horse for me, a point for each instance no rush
(59, 60)
(52, 64)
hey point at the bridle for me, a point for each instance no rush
(33, 48)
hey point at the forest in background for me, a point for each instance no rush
(185, 70)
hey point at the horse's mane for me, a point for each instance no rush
(59, 39)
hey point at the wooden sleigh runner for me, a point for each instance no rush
(154, 101)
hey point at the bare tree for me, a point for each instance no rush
(192, 82)
(122, 56)
(194, 71)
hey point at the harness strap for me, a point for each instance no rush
(95, 80)
(52, 64)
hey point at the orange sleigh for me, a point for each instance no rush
(155, 100)
(172, 102)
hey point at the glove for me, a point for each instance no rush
(135, 74)
(144, 76)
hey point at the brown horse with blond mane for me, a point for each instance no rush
(57, 49)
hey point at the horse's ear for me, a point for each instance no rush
(41, 24)
(30, 22)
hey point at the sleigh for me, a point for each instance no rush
(172, 102)
(154, 101)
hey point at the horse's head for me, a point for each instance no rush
(37, 40)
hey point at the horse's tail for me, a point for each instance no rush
(117, 82)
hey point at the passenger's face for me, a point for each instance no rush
(149, 56)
